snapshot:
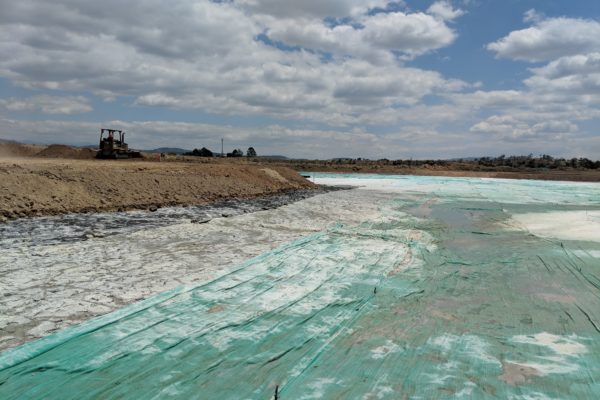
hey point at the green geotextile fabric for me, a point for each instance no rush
(435, 299)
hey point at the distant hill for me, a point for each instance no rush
(341, 159)
(275, 157)
(464, 159)
(8, 141)
(175, 150)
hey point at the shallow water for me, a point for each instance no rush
(409, 287)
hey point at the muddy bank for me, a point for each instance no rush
(73, 227)
(33, 187)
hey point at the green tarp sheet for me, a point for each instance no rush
(437, 298)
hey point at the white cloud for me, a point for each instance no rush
(497, 124)
(444, 10)
(311, 8)
(481, 99)
(338, 94)
(370, 37)
(48, 104)
(558, 95)
(339, 66)
(549, 39)
(193, 54)
(533, 15)
(414, 34)
(569, 76)
(514, 128)
(569, 66)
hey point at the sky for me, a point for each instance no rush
(306, 79)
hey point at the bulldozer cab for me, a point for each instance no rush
(109, 136)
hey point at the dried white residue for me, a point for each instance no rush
(316, 389)
(56, 285)
(384, 350)
(505, 191)
(467, 345)
(566, 225)
(533, 396)
(551, 354)
(459, 354)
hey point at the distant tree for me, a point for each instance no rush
(203, 152)
(236, 153)
(251, 152)
(573, 162)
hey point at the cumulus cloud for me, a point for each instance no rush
(340, 65)
(372, 37)
(444, 10)
(568, 66)
(497, 124)
(549, 39)
(512, 128)
(528, 114)
(415, 33)
(311, 8)
(212, 56)
(572, 75)
(48, 104)
(533, 15)
(557, 95)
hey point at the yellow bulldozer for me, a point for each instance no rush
(113, 146)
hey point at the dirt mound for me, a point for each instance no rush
(55, 186)
(14, 149)
(62, 151)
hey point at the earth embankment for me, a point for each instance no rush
(453, 169)
(33, 187)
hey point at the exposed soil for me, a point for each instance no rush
(34, 186)
(62, 151)
(515, 374)
(57, 179)
(13, 149)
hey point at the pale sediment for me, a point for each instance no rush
(566, 225)
(59, 271)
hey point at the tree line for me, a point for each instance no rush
(502, 162)
(204, 152)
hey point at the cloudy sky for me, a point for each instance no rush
(311, 78)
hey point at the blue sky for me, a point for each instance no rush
(343, 78)
(486, 22)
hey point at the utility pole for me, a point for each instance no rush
(222, 154)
